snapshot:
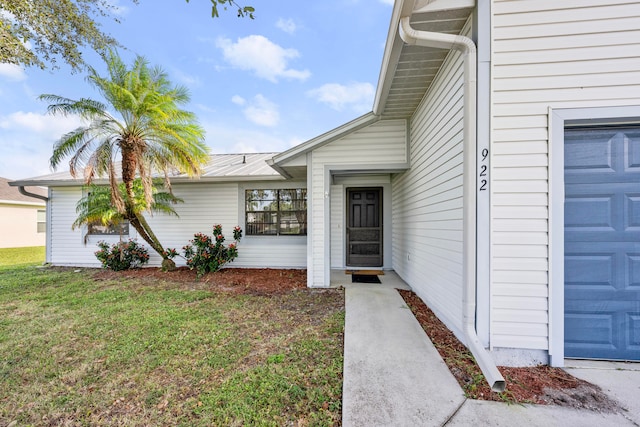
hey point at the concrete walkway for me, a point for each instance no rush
(394, 376)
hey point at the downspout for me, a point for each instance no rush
(35, 196)
(467, 47)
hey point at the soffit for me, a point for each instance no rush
(410, 70)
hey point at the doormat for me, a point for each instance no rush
(365, 272)
(364, 278)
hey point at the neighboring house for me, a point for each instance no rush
(512, 209)
(22, 218)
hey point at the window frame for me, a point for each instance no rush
(94, 228)
(41, 224)
(278, 198)
(122, 229)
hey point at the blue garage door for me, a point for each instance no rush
(602, 243)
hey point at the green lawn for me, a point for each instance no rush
(80, 351)
(21, 256)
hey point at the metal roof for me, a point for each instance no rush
(221, 167)
(408, 71)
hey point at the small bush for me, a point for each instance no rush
(122, 255)
(207, 254)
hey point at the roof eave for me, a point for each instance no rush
(393, 64)
(392, 50)
(174, 180)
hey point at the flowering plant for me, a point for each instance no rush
(207, 254)
(122, 255)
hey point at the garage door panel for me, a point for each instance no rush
(589, 153)
(632, 209)
(632, 145)
(592, 211)
(589, 270)
(633, 336)
(602, 243)
(595, 331)
(605, 155)
(591, 208)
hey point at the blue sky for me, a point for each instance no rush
(296, 71)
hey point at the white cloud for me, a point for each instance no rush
(51, 126)
(238, 100)
(389, 2)
(12, 72)
(357, 96)
(258, 54)
(234, 139)
(287, 25)
(27, 140)
(206, 108)
(187, 79)
(262, 112)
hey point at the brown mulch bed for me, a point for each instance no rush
(254, 281)
(537, 384)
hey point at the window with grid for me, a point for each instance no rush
(98, 228)
(42, 221)
(281, 212)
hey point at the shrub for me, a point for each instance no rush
(122, 255)
(207, 254)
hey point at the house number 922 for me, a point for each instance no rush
(483, 170)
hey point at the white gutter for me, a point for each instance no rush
(28, 194)
(468, 49)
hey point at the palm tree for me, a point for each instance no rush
(141, 130)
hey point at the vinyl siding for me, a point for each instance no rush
(338, 211)
(380, 145)
(67, 245)
(569, 54)
(270, 251)
(427, 199)
(204, 206)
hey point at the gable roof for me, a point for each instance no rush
(221, 167)
(12, 195)
(324, 139)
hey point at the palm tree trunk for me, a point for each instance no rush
(142, 227)
(129, 166)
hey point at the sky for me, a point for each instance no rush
(298, 70)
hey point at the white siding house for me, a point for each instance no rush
(216, 198)
(511, 206)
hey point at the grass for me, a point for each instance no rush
(78, 351)
(11, 257)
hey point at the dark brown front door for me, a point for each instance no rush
(364, 227)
